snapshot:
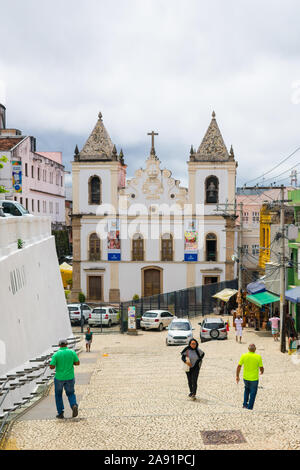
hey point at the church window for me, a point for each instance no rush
(94, 190)
(211, 247)
(138, 247)
(212, 190)
(167, 247)
(94, 247)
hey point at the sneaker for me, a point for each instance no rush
(60, 416)
(190, 394)
(75, 411)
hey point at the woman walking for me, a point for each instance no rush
(88, 339)
(192, 356)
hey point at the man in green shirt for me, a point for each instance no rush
(64, 361)
(252, 363)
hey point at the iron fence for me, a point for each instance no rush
(191, 302)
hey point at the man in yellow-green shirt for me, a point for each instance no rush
(252, 363)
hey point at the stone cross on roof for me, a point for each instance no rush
(152, 141)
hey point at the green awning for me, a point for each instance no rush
(263, 298)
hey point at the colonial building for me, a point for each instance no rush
(150, 235)
(33, 178)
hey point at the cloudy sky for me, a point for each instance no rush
(160, 65)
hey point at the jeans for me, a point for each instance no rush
(192, 377)
(68, 385)
(250, 391)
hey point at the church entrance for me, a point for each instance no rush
(151, 282)
(94, 288)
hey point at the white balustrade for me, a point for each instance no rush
(28, 229)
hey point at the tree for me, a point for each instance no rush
(2, 161)
(62, 243)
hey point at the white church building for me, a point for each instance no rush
(149, 235)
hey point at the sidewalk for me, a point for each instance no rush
(136, 398)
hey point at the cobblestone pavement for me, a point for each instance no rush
(137, 398)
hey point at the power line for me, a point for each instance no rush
(283, 172)
(274, 168)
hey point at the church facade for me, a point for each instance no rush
(149, 235)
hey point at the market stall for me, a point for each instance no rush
(259, 309)
(225, 298)
(293, 297)
(66, 272)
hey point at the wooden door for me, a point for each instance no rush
(151, 282)
(95, 288)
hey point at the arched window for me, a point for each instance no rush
(212, 190)
(167, 247)
(211, 247)
(94, 247)
(137, 247)
(94, 190)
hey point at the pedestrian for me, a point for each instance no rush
(252, 363)
(88, 339)
(238, 327)
(192, 356)
(63, 361)
(275, 326)
(292, 344)
(227, 325)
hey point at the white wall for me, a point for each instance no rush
(84, 176)
(35, 316)
(200, 177)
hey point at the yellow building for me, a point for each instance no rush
(265, 221)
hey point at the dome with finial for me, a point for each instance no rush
(99, 145)
(212, 147)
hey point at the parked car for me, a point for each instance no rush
(156, 319)
(13, 208)
(212, 328)
(75, 313)
(106, 316)
(180, 331)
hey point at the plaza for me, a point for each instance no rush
(133, 391)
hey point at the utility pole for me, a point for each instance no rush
(231, 211)
(282, 263)
(282, 274)
(240, 258)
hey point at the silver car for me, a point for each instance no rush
(156, 319)
(107, 316)
(212, 328)
(180, 331)
(75, 313)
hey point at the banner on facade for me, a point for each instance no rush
(190, 241)
(131, 318)
(17, 176)
(113, 241)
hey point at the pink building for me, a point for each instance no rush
(35, 179)
(252, 201)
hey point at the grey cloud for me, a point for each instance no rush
(155, 64)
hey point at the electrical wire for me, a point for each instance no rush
(274, 168)
(280, 174)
